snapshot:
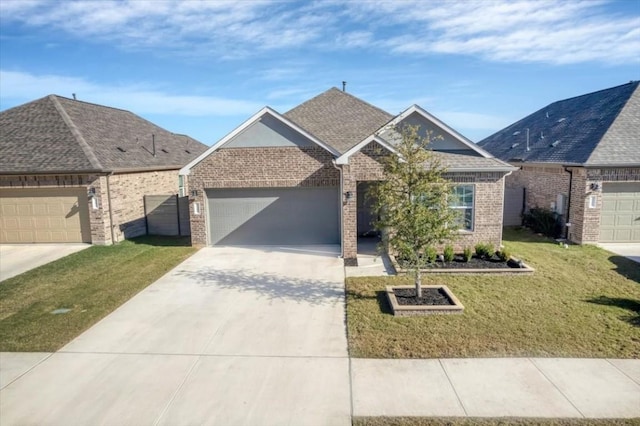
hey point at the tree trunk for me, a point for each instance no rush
(418, 283)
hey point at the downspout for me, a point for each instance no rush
(333, 162)
(504, 184)
(110, 209)
(566, 236)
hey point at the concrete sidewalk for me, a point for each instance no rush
(491, 387)
(496, 387)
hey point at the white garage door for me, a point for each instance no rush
(273, 216)
(44, 216)
(620, 217)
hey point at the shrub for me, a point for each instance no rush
(503, 255)
(484, 250)
(543, 221)
(448, 254)
(466, 254)
(431, 254)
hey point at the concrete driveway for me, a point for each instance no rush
(628, 250)
(18, 258)
(231, 336)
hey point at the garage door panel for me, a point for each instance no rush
(274, 216)
(44, 215)
(620, 216)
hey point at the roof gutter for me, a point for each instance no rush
(91, 171)
(484, 169)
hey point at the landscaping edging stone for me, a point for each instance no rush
(526, 269)
(419, 310)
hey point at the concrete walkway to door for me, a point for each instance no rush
(230, 336)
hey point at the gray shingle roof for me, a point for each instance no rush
(338, 118)
(56, 134)
(470, 160)
(599, 128)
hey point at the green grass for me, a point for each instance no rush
(456, 421)
(581, 302)
(92, 283)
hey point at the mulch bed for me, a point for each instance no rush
(475, 263)
(430, 296)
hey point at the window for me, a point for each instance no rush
(181, 192)
(462, 200)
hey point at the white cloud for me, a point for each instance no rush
(521, 31)
(19, 87)
(546, 31)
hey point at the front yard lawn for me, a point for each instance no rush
(92, 283)
(581, 302)
(484, 421)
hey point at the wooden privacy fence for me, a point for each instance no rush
(167, 215)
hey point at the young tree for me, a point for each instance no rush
(412, 201)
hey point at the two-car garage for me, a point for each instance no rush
(57, 215)
(274, 216)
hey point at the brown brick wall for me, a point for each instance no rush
(544, 183)
(126, 193)
(489, 193)
(127, 199)
(275, 167)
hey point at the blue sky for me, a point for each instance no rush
(203, 67)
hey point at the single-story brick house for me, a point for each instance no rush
(72, 171)
(579, 157)
(300, 177)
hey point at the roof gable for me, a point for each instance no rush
(274, 120)
(457, 146)
(56, 134)
(571, 131)
(338, 118)
(443, 137)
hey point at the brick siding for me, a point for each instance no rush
(272, 167)
(259, 167)
(544, 183)
(127, 199)
(126, 193)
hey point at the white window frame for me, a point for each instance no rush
(181, 191)
(464, 208)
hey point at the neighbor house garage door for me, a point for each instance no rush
(620, 217)
(273, 216)
(44, 216)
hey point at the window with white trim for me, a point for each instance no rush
(462, 197)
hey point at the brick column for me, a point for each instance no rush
(349, 218)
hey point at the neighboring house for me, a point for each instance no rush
(579, 157)
(72, 171)
(300, 178)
